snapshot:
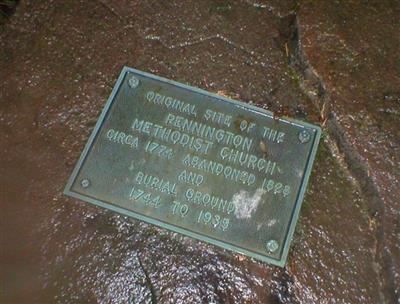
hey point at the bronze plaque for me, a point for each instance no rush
(197, 163)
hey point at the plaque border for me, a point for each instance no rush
(300, 195)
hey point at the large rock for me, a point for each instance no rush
(59, 61)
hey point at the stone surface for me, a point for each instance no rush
(354, 51)
(58, 63)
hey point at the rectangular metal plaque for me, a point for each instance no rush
(199, 164)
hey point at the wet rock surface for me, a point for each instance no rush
(323, 63)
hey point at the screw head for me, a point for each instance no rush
(85, 183)
(133, 82)
(304, 136)
(272, 246)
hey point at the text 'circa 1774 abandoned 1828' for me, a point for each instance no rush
(197, 163)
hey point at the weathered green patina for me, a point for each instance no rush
(199, 164)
